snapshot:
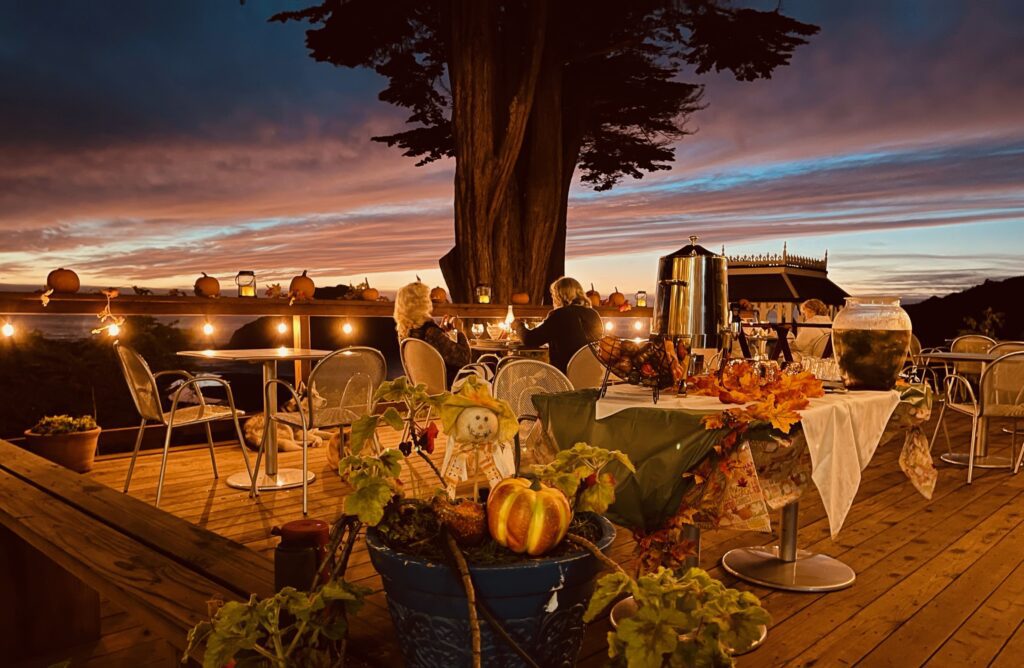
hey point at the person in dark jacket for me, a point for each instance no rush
(413, 318)
(569, 326)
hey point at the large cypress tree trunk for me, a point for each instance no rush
(503, 211)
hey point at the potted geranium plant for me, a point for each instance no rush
(68, 441)
(501, 582)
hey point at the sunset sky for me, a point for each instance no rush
(142, 142)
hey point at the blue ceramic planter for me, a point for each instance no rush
(540, 603)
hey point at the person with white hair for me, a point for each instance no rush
(572, 324)
(413, 318)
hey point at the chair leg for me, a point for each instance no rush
(254, 475)
(135, 454)
(970, 455)
(938, 423)
(163, 464)
(1013, 442)
(241, 444)
(305, 472)
(209, 442)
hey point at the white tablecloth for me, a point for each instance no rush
(842, 432)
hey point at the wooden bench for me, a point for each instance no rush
(66, 540)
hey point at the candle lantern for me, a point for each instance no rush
(483, 293)
(641, 299)
(246, 282)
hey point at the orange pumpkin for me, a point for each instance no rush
(520, 298)
(616, 298)
(302, 286)
(594, 296)
(370, 294)
(207, 286)
(439, 296)
(63, 280)
(527, 517)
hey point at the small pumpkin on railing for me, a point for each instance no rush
(438, 295)
(302, 286)
(520, 298)
(63, 281)
(527, 516)
(207, 286)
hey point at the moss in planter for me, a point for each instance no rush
(52, 425)
(412, 527)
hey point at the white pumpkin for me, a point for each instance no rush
(476, 424)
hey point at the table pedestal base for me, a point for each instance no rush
(285, 479)
(980, 462)
(808, 573)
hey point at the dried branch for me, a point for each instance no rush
(467, 583)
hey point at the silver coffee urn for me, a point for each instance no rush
(693, 297)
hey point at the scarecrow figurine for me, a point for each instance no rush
(480, 430)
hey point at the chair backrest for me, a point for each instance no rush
(584, 370)
(1006, 347)
(341, 386)
(141, 383)
(423, 364)
(970, 343)
(819, 346)
(1001, 387)
(517, 381)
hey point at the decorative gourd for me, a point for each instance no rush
(302, 286)
(520, 298)
(439, 296)
(527, 517)
(63, 280)
(370, 294)
(207, 286)
(616, 298)
(594, 296)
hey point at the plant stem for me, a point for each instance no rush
(596, 551)
(467, 584)
(431, 464)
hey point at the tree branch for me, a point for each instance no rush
(467, 583)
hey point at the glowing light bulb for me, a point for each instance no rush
(207, 328)
(638, 325)
(282, 351)
(609, 326)
(7, 329)
(281, 327)
(114, 330)
(346, 328)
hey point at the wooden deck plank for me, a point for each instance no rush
(892, 537)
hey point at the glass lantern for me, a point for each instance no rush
(483, 293)
(246, 282)
(641, 299)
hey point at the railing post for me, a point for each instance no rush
(300, 339)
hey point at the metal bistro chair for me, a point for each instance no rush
(518, 380)
(146, 395)
(1000, 395)
(339, 392)
(969, 371)
(584, 370)
(423, 364)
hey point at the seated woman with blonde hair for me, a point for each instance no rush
(413, 318)
(569, 326)
(811, 341)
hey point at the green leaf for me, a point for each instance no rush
(393, 418)
(650, 635)
(363, 429)
(368, 501)
(608, 588)
(391, 461)
(597, 497)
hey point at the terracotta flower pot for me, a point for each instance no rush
(75, 450)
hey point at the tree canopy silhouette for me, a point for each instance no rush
(522, 92)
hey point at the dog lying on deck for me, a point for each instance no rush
(288, 438)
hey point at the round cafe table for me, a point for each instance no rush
(272, 478)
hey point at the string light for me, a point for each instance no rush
(281, 327)
(208, 328)
(638, 325)
(609, 326)
(7, 329)
(113, 330)
(346, 328)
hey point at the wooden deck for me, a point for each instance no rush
(939, 583)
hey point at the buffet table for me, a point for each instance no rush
(680, 468)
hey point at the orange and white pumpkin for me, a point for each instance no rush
(527, 517)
